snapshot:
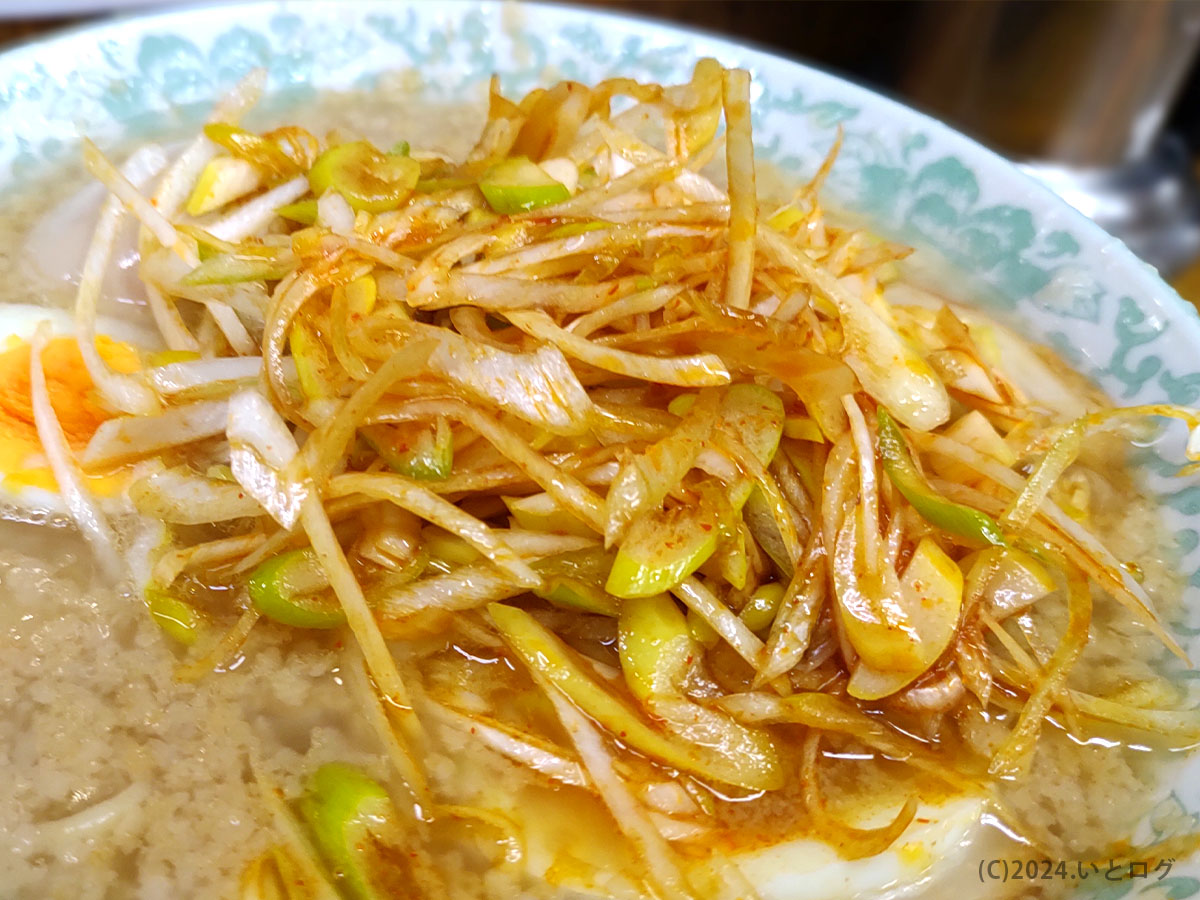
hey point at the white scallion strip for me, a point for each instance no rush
(141, 540)
(1058, 459)
(383, 255)
(174, 189)
(631, 817)
(467, 587)
(539, 544)
(289, 296)
(791, 632)
(260, 447)
(175, 186)
(429, 277)
(522, 750)
(177, 183)
(562, 486)
(242, 97)
(1014, 756)
(546, 251)
(163, 231)
(501, 292)
(633, 305)
(601, 475)
(85, 513)
(701, 370)
(254, 215)
(149, 215)
(253, 421)
(471, 323)
(181, 376)
(316, 883)
(890, 371)
(724, 622)
(134, 436)
(718, 465)
(170, 324)
(397, 744)
(358, 615)
(868, 488)
(124, 392)
(1126, 590)
(472, 586)
(231, 326)
(792, 306)
(64, 835)
(324, 448)
(743, 199)
(519, 748)
(184, 499)
(1182, 723)
(594, 198)
(781, 510)
(222, 650)
(432, 508)
(625, 148)
(539, 387)
(700, 189)
(210, 554)
(334, 213)
(708, 213)
(676, 829)
(666, 231)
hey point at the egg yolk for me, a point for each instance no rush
(72, 395)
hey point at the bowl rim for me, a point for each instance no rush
(1158, 292)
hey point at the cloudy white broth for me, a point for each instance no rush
(513, 500)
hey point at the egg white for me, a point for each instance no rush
(932, 859)
(19, 321)
(937, 849)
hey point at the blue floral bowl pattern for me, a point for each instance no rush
(1032, 259)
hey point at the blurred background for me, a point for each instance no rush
(1098, 98)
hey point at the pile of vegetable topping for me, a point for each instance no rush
(665, 447)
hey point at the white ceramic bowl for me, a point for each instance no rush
(1031, 258)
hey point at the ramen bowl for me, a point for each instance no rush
(1023, 255)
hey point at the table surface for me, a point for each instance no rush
(10, 32)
